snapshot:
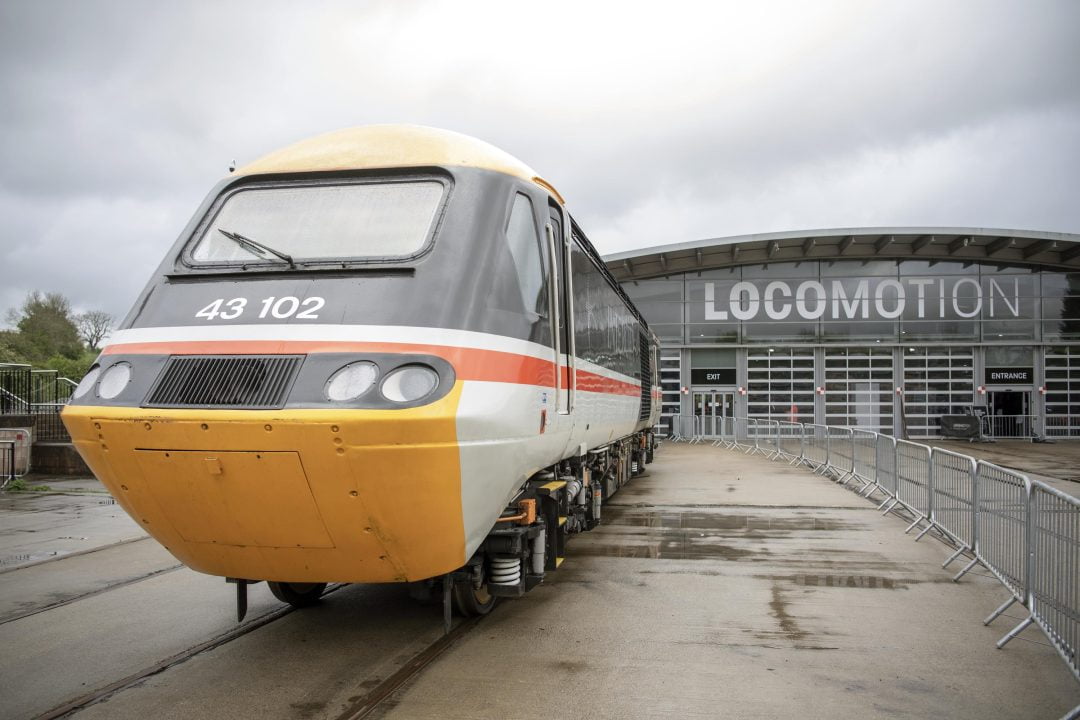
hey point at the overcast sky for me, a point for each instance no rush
(660, 122)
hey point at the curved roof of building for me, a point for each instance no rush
(371, 147)
(1014, 247)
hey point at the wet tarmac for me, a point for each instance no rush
(718, 586)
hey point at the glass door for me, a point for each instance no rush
(709, 407)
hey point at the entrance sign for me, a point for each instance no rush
(933, 298)
(1009, 376)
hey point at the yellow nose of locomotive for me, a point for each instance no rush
(287, 495)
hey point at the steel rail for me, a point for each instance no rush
(106, 691)
(4, 620)
(77, 553)
(370, 702)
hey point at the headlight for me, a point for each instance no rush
(410, 383)
(87, 382)
(351, 381)
(114, 380)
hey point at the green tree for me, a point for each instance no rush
(46, 329)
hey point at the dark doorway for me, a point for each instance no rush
(1009, 413)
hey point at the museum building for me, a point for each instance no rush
(886, 329)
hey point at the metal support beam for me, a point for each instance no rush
(958, 244)
(807, 246)
(629, 266)
(663, 261)
(774, 247)
(883, 243)
(734, 253)
(700, 256)
(1039, 246)
(998, 245)
(924, 241)
(846, 243)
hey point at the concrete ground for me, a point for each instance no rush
(719, 585)
(727, 586)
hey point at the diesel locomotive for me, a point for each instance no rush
(385, 354)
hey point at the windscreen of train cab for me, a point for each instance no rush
(267, 225)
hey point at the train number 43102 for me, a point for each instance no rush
(277, 307)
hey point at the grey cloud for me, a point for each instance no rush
(691, 121)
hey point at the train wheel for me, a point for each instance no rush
(297, 594)
(471, 601)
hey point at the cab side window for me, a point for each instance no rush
(523, 240)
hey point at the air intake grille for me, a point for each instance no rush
(646, 378)
(239, 381)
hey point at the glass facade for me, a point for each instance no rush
(884, 345)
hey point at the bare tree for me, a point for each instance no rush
(94, 326)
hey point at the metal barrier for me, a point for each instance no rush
(1026, 533)
(742, 440)
(952, 498)
(766, 438)
(1009, 426)
(7, 469)
(1054, 561)
(886, 467)
(816, 447)
(789, 441)
(912, 480)
(1001, 533)
(841, 452)
(1062, 425)
(864, 457)
(680, 430)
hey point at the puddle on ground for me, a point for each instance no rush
(868, 582)
(696, 520)
(778, 607)
(673, 547)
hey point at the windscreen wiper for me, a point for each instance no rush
(256, 248)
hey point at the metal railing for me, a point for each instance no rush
(1010, 426)
(1061, 426)
(7, 462)
(39, 393)
(1026, 533)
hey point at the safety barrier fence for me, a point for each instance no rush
(1010, 426)
(7, 462)
(1061, 425)
(1026, 533)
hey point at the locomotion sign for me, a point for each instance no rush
(929, 298)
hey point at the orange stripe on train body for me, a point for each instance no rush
(469, 363)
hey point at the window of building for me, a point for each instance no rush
(859, 388)
(937, 381)
(780, 384)
(1063, 391)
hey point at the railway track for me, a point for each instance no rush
(361, 707)
(92, 593)
(77, 553)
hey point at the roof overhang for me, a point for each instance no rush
(967, 245)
